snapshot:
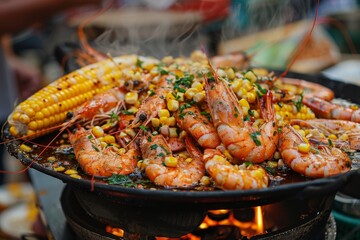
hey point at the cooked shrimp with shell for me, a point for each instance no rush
(179, 123)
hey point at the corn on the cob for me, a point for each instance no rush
(49, 106)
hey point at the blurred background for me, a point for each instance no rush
(267, 32)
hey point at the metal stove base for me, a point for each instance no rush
(86, 227)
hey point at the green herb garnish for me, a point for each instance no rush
(125, 180)
(139, 62)
(142, 127)
(126, 112)
(153, 147)
(95, 148)
(248, 164)
(114, 117)
(254, 136)
(151, 92)
(298, 103)
(330, 142)
(207, 115)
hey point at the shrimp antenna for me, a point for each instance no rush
(221, 81)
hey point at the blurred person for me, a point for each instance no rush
(19, 80)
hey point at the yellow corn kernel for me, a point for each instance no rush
(227, 154)
(97, 131)
(155, 122)
(171, 121)
(70, 171)
(247, 85)
(244, 103)
(241, 93)
(251, 76)
(164, 130)
(77, 176)
(188, 160)
(171, 161)
(302, 132)
(130, 132)
(173, 105)
(115, 145)
(131, 97)
(230, 73)
(169, 96)
(277, 155)
(59, 169)
(168, 60)
(332, 137)
(198, 86)
(25, 148)
(103, 144)
(189, 94)
(354, 107)
(236, 85)
(180, 96)
(272, 164)
(304, 147)
(13, 131)
(182, 134)
(30, 112)
(199, 97)
(251, 97)
(260, 71)
(140, 164)
(164, 120)
(152, 86)
(173, 132)
(16, 116)
(122, 135)
(133, 109)
(33, 125)
(109, 139)
(164, 113)
(219, 158)
(344, 137)
(51, 159)
(24, 118)
(307, 132)
(297, 127)
(256, 113)
(137, 76)
(205, 180)
(122, 151)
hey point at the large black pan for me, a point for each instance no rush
(215, 199)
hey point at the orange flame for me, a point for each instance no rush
(248, 228)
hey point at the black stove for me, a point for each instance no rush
(73, 223)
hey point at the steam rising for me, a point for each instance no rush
(139, 30)
(152, 33)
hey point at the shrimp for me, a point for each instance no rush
(186, 173)
(152, 104)
(347, 133)
(241, 139)
(310, 89)
(317, 163)
(99, 104)
(198, 126)
(330, 110)
(101, 162)
(233, 177)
